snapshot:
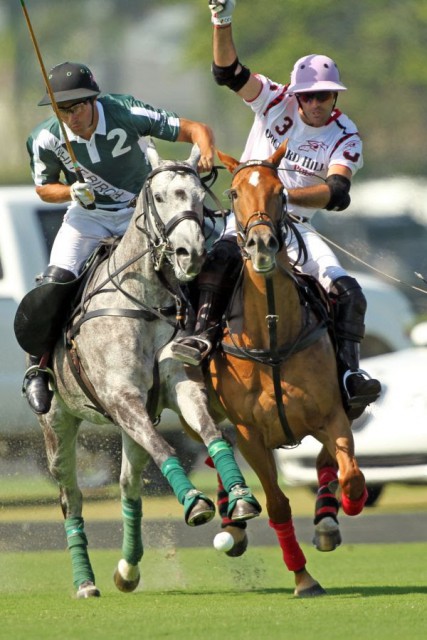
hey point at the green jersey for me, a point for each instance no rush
(113, 161)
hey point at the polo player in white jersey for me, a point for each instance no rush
(323, 154)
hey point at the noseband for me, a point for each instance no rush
(259, 218)
(156, 230)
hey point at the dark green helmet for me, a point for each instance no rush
(70, 81)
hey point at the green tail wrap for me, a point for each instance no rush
(223, 457)
(77, 544)
(177, 478)
(132, 548)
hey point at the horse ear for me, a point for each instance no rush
(229, 162)
(195, 154)
(152, 155)
(277, 156)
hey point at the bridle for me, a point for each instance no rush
(156, 231)
(259, 218)
(276, 354)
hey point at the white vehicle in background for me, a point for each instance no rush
(390, 437)
(28, 227)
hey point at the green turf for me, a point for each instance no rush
(374, 593)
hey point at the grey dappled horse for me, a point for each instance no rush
(127, 321)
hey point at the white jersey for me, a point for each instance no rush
(311, 150)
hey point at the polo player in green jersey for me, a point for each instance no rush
(107, 134)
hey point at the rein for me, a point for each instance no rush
(157, 235)
(275, 355)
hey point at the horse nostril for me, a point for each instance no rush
(273, 244)
(182, 252)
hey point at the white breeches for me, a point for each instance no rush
(321, 262)
(81, 231)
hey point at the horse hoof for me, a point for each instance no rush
(131, 581)
(310, 592)
(245, 511)
(87, 590)
(239, 548)
(201, 513)
(242, 505)
(327, 536)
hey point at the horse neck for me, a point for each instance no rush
(255, 305)
(140, 279)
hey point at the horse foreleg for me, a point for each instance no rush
(279, 511)
(192, 401)
(327, 536)
(134, 458)
(237, 530)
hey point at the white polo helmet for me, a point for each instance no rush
(315, 73)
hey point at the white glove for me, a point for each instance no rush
(82, 193)
(221, 11)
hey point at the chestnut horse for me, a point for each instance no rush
(276, 373)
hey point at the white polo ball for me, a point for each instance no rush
(223, 541)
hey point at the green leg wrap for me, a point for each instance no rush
(232, 479)
(77, 544)
(132, 548)
(177, 478)
(223, 457)
(184, 490)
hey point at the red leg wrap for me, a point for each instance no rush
(209, 462)
(326, 503)
(326, 475)
(292, 554)
(354, 507)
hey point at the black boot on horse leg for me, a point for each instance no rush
(36, 379)
(215, 283)
(350, 308)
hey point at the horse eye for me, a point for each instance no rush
(158, 197)
(231, 194)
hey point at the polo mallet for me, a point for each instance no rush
(71, 153)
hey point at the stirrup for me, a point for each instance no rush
(359, 400)
(33, 371)
(189, 354)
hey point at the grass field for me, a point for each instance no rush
(374, 593)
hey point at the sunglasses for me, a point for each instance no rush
(77, 107)
(320, 96)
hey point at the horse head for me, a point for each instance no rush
(257, 196)
(173, 205)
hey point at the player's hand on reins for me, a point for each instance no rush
(221, 11)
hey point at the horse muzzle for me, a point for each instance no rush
(261, 248)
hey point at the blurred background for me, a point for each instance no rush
(160, 51)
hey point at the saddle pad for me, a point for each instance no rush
(41, 315)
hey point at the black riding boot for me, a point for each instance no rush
(350, 308)
(36, 387)
(215, 284)
(36, 379)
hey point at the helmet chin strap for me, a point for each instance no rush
(92, 104)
